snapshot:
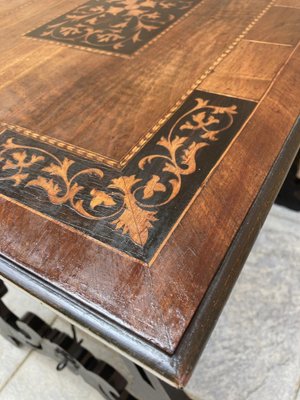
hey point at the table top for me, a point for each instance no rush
(142, 144)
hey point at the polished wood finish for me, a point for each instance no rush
(109, 94)
(245, 72)
(125, 209)
(107, 109)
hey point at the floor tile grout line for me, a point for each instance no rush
(9, 379)
(31, 351)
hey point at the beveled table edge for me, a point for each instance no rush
(176, 369)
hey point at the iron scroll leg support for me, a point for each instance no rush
(33, 332)
(289, 195)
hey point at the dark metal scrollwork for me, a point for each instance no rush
(69, 353)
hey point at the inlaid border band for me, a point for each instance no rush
(115, 27)
(132, 209)
(129, 160)
(148, 135)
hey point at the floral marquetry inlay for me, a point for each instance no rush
(118, 26)
(134, 203)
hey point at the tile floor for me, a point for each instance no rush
(253, 354)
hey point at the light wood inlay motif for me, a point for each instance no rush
(118, 26)
(131, 202)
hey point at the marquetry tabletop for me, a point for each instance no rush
(142, 143)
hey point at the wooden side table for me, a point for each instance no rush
(142, 145)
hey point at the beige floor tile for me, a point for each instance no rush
(20, 303)
(38, 379)
(12, 357)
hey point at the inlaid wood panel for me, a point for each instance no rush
(177, 282)
(109, 108)
(248, 70)
(120, 27)
(280, 25)
(126, 209)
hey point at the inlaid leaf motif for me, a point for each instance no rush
(152, 186)
(59, 169)
(139, 200)
(114, 10)
(172, 145)
(200, 121)
(163, 142)
(107, 37)
(9, 144)
(35, 158)
(72, 192)
(68, 30)
(92, 21)
(201, 103)
(134, 220)
(73, 17)
(228, 110)
(144, 222)
(124, 184)
(18, 178)
(20, 157)
(136, 37)
(9, 164)
(189, 156)
(170, 167)
(127, 224)
(19, 161)
(101, 198)
(178, 141)
(48, 185)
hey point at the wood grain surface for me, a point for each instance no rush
(155, 290)
(104, 95)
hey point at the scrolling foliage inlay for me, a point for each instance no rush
(133, 209)
(118, 26)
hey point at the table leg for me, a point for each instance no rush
(69, 353)
(289, 195)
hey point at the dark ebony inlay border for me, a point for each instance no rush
(116, 26)
(134, 209)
